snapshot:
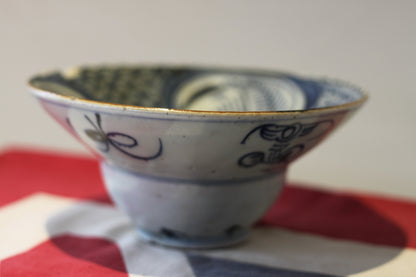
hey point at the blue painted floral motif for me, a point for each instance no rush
(121, 142)
(282, 150)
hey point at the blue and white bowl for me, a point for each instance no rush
(195, 156)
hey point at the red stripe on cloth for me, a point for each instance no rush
(346, 216)
(68, 256)
(23, 172)
(401, 213)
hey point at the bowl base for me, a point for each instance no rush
(170, 240)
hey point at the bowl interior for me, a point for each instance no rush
(204, 89)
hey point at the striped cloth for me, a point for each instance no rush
(57, 220)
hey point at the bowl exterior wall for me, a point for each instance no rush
(195, 148)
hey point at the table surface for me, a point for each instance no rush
(57, 220)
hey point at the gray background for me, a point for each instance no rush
(369, 43)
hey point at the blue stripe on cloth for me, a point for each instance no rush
(214, 267)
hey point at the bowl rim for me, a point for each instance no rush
(49, 94)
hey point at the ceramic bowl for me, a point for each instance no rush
(195, 156)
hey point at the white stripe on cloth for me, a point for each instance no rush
(22, 223)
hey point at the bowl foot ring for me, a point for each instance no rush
(169, 238)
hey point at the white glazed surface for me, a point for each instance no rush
(206, 148)
(197, 210)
